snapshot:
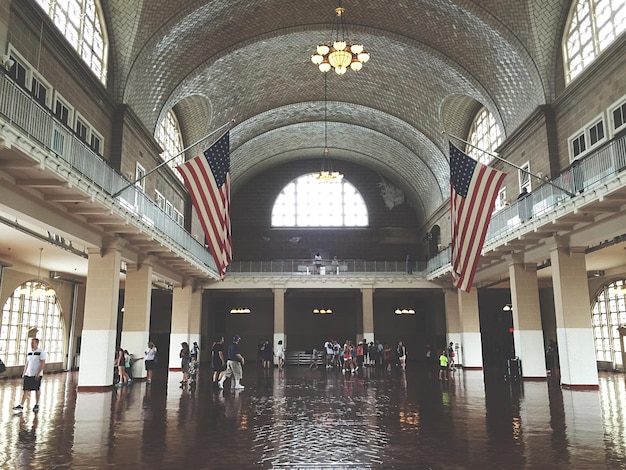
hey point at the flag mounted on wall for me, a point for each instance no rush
(473, 191)
(207, 178)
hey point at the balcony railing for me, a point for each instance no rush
(598, 167)
(22, 111)
(307, 267)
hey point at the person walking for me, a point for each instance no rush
(218, 361)
(234, 365)
(33, 374)
(150, 358)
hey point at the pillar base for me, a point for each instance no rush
(580, 387)
(94, 388)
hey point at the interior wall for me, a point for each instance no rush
(391, 234)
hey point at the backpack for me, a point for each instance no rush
(3, 368)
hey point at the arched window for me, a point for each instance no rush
(608, 313)
(308, 202)
(593, 25)
(484, 134)
(26, 309)
(82, 24)
(169, 137)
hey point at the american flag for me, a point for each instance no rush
(473, 191)
(207, 179)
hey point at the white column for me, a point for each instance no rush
(181, 308)
(527, 333)
(453, 324)
(367, 295)
(574, 332)
(136, 323)
(279, 318)
(470, 326)
(97, 352)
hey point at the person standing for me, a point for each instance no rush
(234, 364)
(401, 353)
(120, 362)
(150, 356)
(33, 374)
(280, 354)
(318, 262)
(195, 349)
(185, 357)
(443, 365)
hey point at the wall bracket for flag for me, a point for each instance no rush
(569, 193)
(132, 183)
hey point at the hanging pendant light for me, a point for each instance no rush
(38, 288)
(326, 174)
(339, 54)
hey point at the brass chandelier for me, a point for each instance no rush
(339, 54)
(326, 174)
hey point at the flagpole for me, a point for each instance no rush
(569, 193)
(132, 183)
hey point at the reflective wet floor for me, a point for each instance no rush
(317, 419)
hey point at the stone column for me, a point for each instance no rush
(181, 311)
(279, 318)
(453, 324)
(574, 332)
(470, 330)
(97, 354)
(137, 302)
(367, 294)
(528, 332)
(195, 320)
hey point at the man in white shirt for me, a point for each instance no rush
(33, 373)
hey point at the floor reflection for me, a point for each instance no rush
(319, 418)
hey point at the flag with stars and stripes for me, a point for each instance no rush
(207, 179)
(473, 191)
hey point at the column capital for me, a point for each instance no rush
(112, 243)
(514, 258)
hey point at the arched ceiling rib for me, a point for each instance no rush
(250, 61)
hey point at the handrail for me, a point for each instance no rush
(597, 167)
(38, 122)
(307, 267)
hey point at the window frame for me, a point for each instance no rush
(585, 132)
(79, 119)
(522, 175)
(70, 115)
(621, 103)
(140, 181)
(36, 76)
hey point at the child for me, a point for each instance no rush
(313, 359)
(193, 371)
(443, 366)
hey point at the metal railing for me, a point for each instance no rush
(307, 267)
(599, 166)
(22, 111)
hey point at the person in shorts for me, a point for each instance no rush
(33, 373)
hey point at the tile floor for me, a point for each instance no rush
(318, 419)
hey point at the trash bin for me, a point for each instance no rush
(322, 270)
(514, 368)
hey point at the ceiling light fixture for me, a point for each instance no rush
(38, 289)
(339, 54)
(405, 311)
(326, 174)
(244, 310)
(322, 311)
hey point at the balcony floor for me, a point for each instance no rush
(317, 419)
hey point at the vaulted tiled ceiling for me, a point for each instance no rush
(433, 63)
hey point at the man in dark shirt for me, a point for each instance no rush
(234, 364)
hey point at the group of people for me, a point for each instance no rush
(124, 363)
(350, 357)
(227, 364)
(447, 362)
(189, 363)
(266, 354)
(317, 262)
